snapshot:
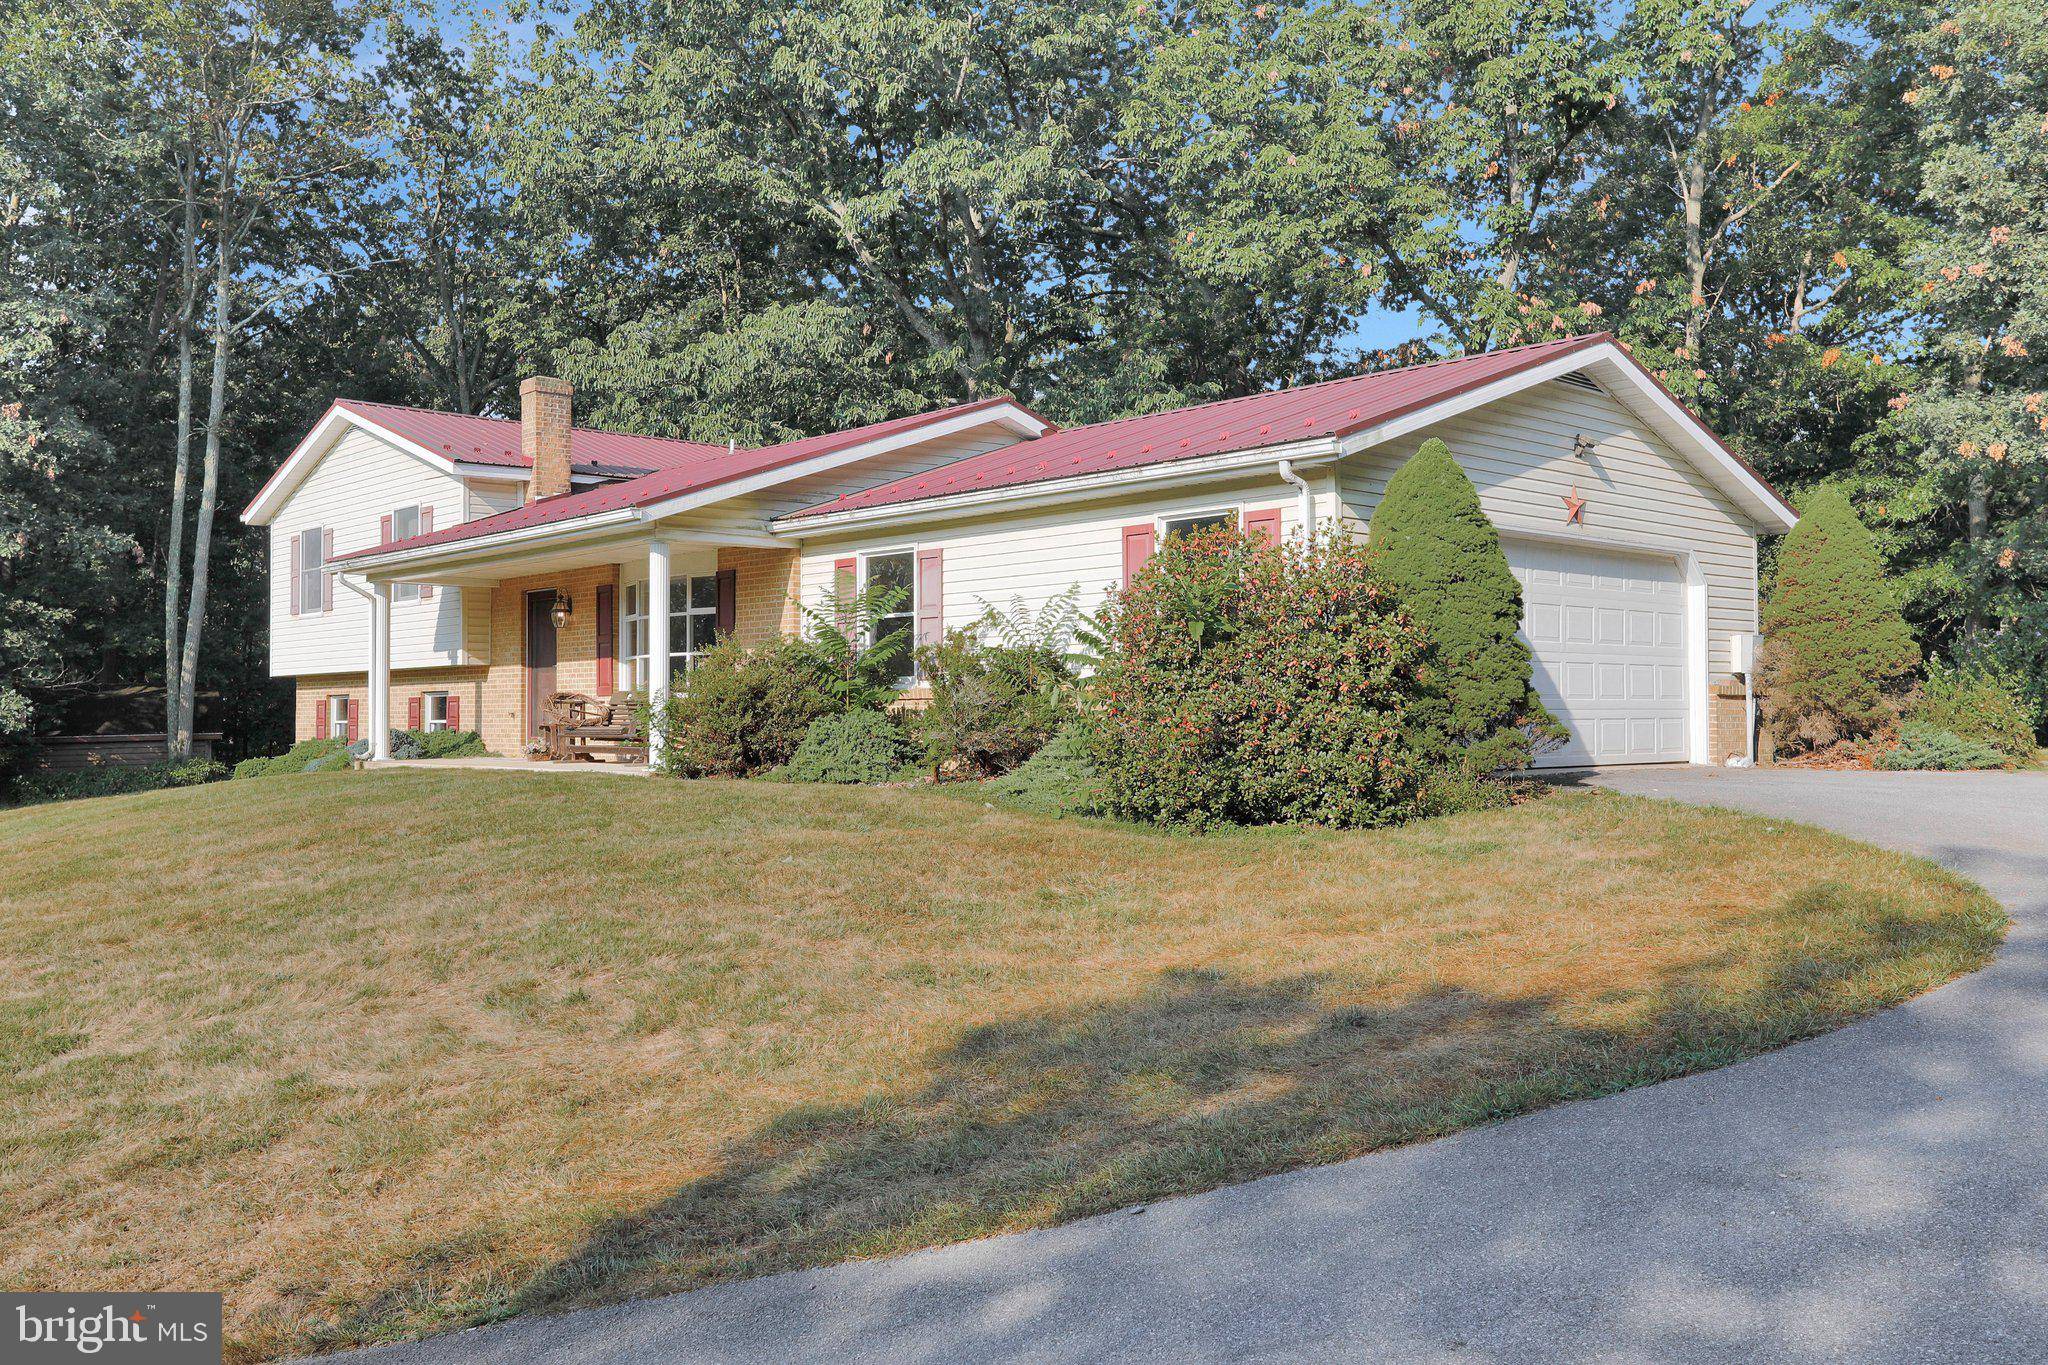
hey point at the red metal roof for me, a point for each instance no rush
(1335, 407)
(700, 471)
(492, 440)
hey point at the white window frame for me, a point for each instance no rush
(1161, 523)
(908, 611)
(430, 703)
(405, 592)
(633, 642)
(337, 716)
(312, 569)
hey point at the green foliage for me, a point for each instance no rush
(862, 670)
(1924, 746)
(306, 756)
(856, 747)
(1251, 684)
(1455, 788)
(1836, 647)
(438, 744)
(2018, 658)
(992, 705)
(1431, 542)
(42, 784)
(1978, 704)
(743, 711)
(1060, 779)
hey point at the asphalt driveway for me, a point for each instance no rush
(1877, 1194)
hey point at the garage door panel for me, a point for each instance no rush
(1607, 632)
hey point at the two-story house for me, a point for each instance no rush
(431, 570)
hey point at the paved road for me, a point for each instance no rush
(1877, 1194)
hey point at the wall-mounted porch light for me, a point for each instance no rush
(559, 613)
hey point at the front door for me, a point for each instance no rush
(540, 658)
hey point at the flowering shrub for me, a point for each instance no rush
(1252, 684)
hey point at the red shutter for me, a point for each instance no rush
(1137, 549)
(845, 574)
(1264, 522)
(298, 567)
(426, 526)
(454, 712)
(412, 714)
(607, 648)
(320, 719)
(355, 730)
(728, 601)
(931, 596)
(384, 529)
(327, 575)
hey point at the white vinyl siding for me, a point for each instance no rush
(1034, 556)
(352, 489)
(1639, 493)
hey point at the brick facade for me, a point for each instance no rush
(1727, 720)
(493, 698)
(766, 593)
(464, 684)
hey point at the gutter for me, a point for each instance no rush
(1199, 469)
(1308, 500)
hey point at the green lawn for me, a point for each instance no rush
(381, 1053)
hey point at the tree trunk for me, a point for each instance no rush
(202, 538)
(174, 560)
(1976, 623)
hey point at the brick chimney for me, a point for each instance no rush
(544, 434)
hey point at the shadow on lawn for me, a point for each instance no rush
(1200, 1081)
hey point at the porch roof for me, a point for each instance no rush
(596, 508)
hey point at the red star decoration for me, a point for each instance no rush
(1574, 507)
(136, 1316)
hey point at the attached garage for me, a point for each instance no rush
(1609, 631)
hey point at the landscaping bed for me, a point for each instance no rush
(373, 1074)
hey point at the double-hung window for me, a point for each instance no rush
(434, 711)
(337, 716)
(312, 585)
(692, 626)
(405, 524)
(1200, 521)
(896, 571)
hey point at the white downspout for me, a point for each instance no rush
(1308, 500)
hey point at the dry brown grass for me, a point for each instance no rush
(382, 1053)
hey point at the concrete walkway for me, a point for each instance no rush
(1877, 1194)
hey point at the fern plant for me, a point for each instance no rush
(861, 671)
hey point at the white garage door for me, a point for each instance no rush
(1608, 632)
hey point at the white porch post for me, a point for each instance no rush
(380, 671)
(657, 640)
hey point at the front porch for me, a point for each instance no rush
(578, 620)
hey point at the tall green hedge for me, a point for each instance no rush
(1433, 545)
(1837, 649)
